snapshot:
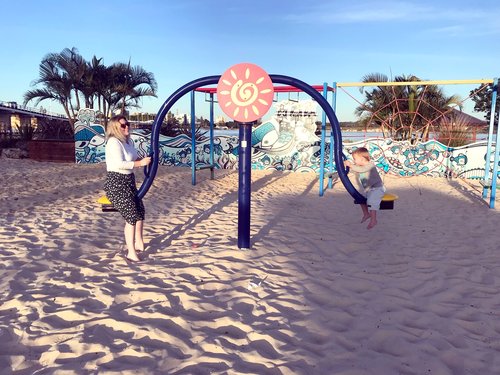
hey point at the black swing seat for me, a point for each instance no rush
(387, 202)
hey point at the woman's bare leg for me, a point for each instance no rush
(130, 241)
(139, 241)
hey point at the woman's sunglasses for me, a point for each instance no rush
(123, 126)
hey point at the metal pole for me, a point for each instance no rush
(494, 177)
(334, 106)
(322, 148)
(244, 190)
(486, 180)
(415, 83)
(211, 160)
(193, 140)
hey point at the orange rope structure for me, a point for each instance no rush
(400, 112)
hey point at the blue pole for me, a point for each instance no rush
(193, 140)
(244, 189)
(486, 179)
(494, 177)
(334, 106)
(322, 148)
(212, 136)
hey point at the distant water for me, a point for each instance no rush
(351, 136)
(226, 132)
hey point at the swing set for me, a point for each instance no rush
(489, 180)
(289, 85)
(387, 201)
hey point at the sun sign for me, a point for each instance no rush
(245, 92)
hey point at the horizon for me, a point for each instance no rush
(316, 43)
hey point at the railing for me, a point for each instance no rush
(16, 106)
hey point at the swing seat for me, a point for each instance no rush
(106, 205)
(206, 166)
(387, 202)
(488, 184)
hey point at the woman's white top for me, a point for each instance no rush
(120, 156)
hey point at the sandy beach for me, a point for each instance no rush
(317, 293)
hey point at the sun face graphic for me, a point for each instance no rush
(245, 92)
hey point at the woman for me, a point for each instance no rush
(120, 188)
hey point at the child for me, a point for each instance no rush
(371, 182)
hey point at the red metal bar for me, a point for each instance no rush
(211, 90)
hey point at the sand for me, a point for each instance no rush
(317, 293)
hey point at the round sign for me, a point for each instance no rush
(245, 92)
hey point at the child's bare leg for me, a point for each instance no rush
(366, 214)
(373, 219)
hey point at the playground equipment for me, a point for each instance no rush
(245, 138)
(277, 79)
(387, 202)
(211, 164)
(491, 172)
(106, 205)
(490, 183)
(325, 89)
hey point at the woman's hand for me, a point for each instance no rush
(143, 162)
(146, 161)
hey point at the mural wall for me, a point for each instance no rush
(288, 142)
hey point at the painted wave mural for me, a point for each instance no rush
(287, 142)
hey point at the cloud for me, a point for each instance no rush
(389, 11)
(476, 30)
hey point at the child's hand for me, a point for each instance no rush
(347, 163)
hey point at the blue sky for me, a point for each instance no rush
(315, 41)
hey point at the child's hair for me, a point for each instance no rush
(363, 152)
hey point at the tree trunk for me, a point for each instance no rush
(122, 112)
(425, 134)
(105, 115)
(77, 100)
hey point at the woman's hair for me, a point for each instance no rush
(113, 129)
(363, 152)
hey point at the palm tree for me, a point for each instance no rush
(57, 86)
(130, 84)
(68, 79)
(95, 75)
(403, 112)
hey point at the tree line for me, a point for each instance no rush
(405, 112)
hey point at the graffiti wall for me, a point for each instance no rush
(288, 142)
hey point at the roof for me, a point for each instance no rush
(468, 119)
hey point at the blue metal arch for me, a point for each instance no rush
(150, 172)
